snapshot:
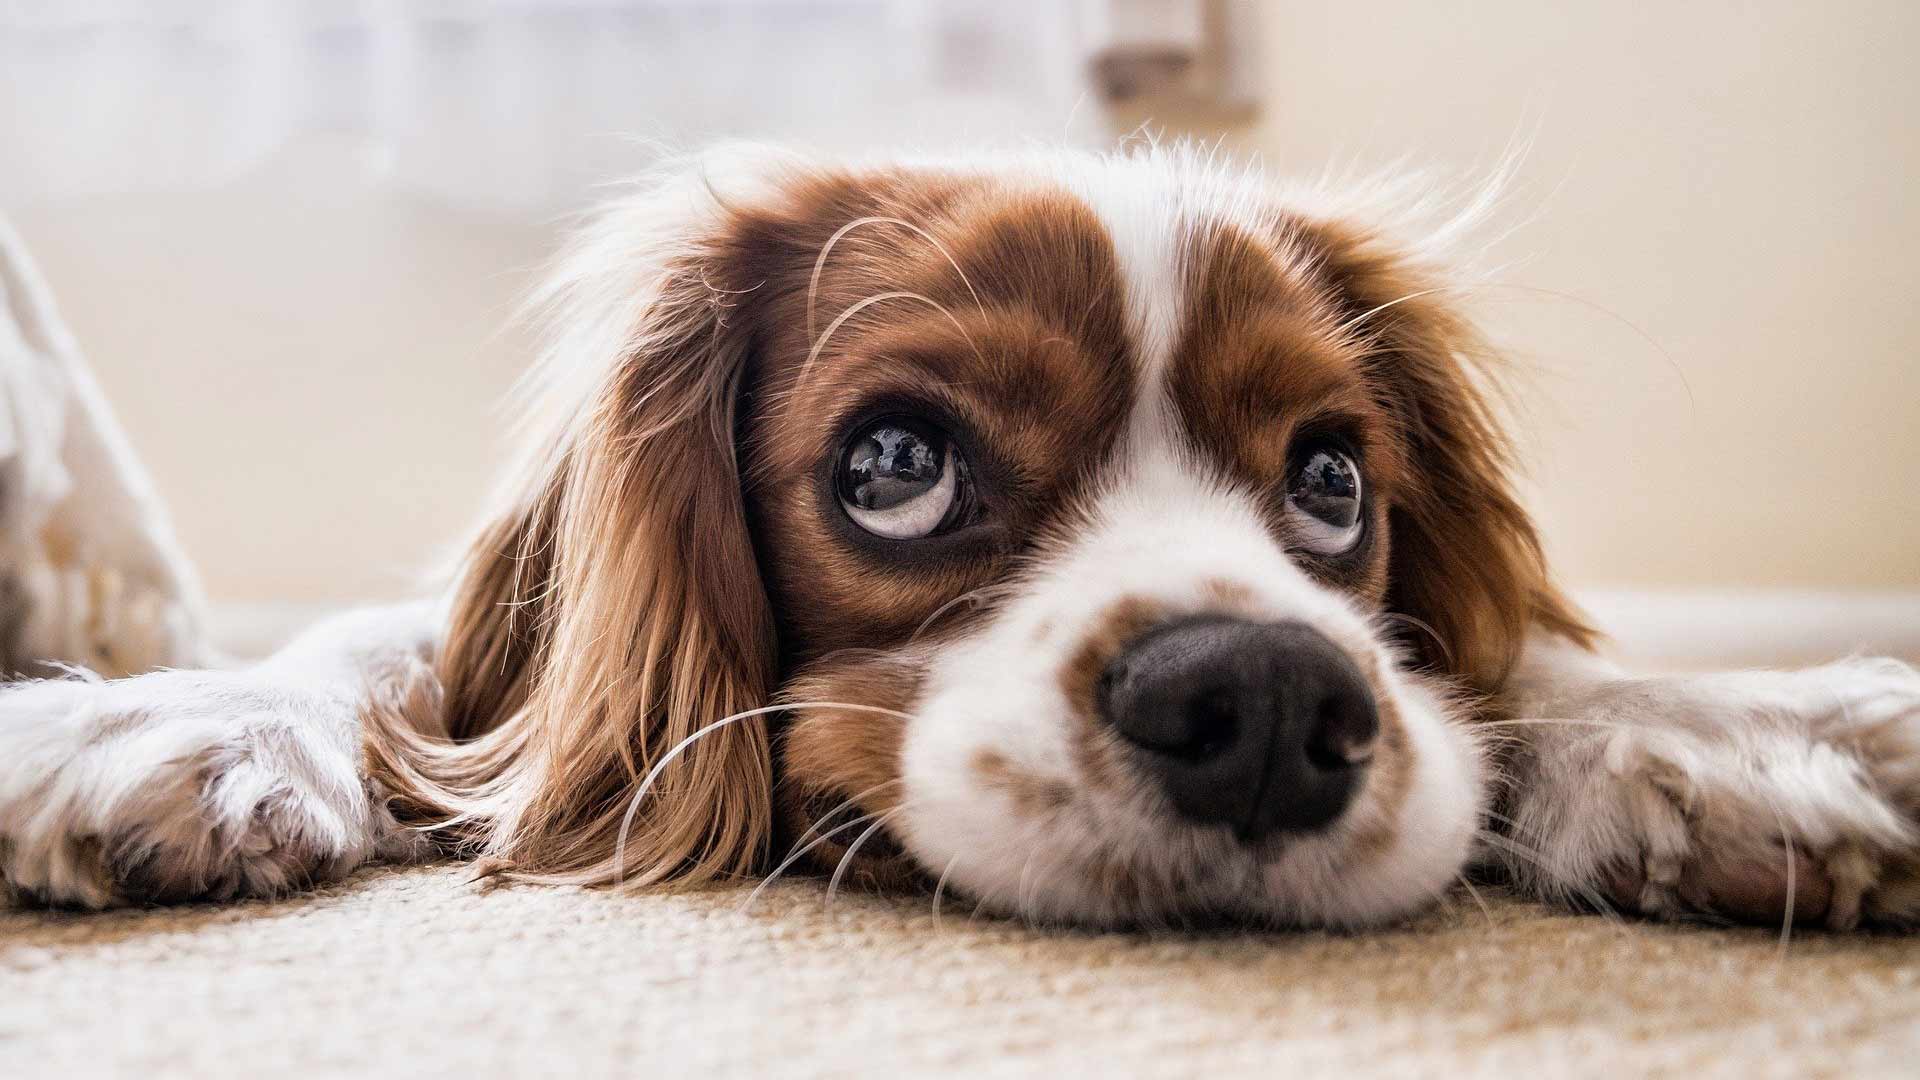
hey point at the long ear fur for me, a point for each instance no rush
(1466, 559)
(612, 611)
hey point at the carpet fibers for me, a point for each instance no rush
(414, 972)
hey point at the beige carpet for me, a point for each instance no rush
(413, 972)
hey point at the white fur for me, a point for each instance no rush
(184, 784)
(1694, 784)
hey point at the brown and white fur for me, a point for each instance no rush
(672, 654)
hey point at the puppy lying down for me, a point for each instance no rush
(1106, 540)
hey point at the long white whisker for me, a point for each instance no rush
(1786, 841)
(1395, 616)
(1639, 331)
(646, 783)
(846, 861)
(802, 846)
(796, 856)
(851, 800)
(826, 249)
(1539, 860)
(1350, 324)
(940, 888)
(826, 335)
(1551, 721)
(970, 595)
(1478, 900)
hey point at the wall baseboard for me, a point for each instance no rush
(1698, 628)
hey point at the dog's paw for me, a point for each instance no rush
(176, 786)
(1750, 796)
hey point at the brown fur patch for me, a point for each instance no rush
(842, 763)
(1021, 354)
(1096, 749)
(1032, 795)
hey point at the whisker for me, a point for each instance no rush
(796, 856)
(1787, 842)
(982, 592)
(826, 335)
(846, 861)
(828, 816)
(1021, 906)
(1539, 860)
(1639, 331)
(1478, 900)
(1553, 721)
(1508, 822)
(826, 249)
(1351, 324)
(1471, 286)
(653, 774)
(1420, 624)
(940, 888)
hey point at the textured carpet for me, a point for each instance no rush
(414, 972)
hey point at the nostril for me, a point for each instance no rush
(1343, 733)
(1212, 723)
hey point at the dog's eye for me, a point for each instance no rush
(1323, 501)
(902, 479)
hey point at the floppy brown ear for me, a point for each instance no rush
(1466, 560)
(612, 616)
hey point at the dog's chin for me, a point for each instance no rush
(1094, 860)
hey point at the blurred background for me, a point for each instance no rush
(290, 236)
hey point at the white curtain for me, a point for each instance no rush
(512, 104)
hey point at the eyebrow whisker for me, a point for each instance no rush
(826, 249)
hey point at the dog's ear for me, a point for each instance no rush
(1466, 560)
(612, 616)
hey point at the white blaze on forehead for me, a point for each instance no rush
(1153, 207)
(1147, 221)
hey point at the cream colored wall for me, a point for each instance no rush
(1735, 180)
(312, 377)
(313, 382)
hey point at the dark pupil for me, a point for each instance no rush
(888, 466)
(1328, 489)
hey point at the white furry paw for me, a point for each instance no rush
(1755, 796)
(177, 786)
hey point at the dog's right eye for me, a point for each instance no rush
(902, 479)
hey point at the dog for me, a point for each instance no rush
(1109, 540)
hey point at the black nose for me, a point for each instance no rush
(1265, 727)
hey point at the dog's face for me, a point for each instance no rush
(1080, 510)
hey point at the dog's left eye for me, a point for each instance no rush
(1323, 501)
(902, 479)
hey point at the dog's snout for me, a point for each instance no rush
(1265, 727)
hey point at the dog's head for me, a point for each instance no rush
(1120, 534)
